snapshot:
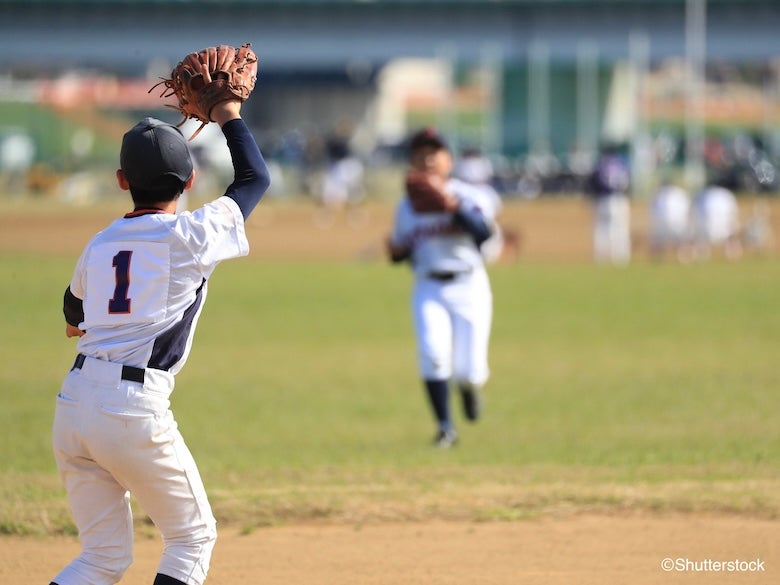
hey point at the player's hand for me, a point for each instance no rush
(395, 252)
(73, 331)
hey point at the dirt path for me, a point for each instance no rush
(547, 230)
(578, 550)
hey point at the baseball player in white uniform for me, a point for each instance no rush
(716, 222)
(608, 188)
(669, 220)
(134, 301)
(452, 301)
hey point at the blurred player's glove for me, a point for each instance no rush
(213, 75)
(427, 193)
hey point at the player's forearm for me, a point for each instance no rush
(252, 178)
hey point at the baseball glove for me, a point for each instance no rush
(427, 193)
(213, 75)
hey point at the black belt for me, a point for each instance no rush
(129, 373)
(443, 276)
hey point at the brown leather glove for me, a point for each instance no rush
(213, 75)
(427, 193)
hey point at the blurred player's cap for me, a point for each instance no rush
(152, 150)
(426, 137)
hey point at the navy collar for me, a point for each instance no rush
(142, 211)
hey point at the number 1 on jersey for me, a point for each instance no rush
(121, 263)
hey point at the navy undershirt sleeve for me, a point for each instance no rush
(73, 308)
(473, 222)
(251, 179)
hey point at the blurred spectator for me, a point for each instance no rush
(716, 223)
(669, 221)
(17, 154)
(342, 181)
(608, 189)
(714, 152)
(344, 173)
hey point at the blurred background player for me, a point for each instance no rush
(452, 302)
(716, 223)
(341, 185)
(669, 221)
(474, 167)
(608, 189)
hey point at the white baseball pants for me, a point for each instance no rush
(113, 437)
(612, 230)
(452, 321)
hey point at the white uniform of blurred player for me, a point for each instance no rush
(452, 303)
(716, 222)
(342, 181)
(669, 220)
(611, 209)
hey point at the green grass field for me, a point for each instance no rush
(652, 388)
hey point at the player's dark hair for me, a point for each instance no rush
(168, 188)
(425, 138)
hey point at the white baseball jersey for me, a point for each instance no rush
(715, 214)
(137, 314)
(436, 244)
(669, 211)
(134, 312)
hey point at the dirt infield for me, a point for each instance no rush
(581, 550)
(284, 230)
(546, 230)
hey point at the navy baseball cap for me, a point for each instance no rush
(152, 150)
(426, 137)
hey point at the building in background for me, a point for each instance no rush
(548, 81)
